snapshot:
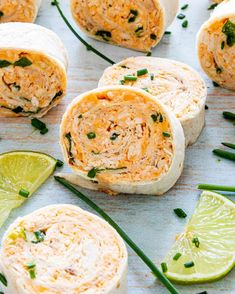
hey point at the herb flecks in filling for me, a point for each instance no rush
(4, 63)
(105, 35)
(229, 30)
(95, 170)
(70, 154)
(23, 62)
(40, 236)
(139, 31)
(133, 15)
(157, 117)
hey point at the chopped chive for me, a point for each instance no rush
(59, 163)
(218, 70)
(177, 256)
(189, 264)
(181, 16)
(167, 33)
(157, 117)
(38, 124)
(180, 213)
(212, 6)
(222, 45)
(23, 62)
(122, 82)
(224, 154)
(149, 53)
(93, 172)
(44, 131)
(31, 265)
(165, 134)
(24, 193)
(134, 12)
(185, 24)
(40, 236)
(91, 135)
(3, 280)
(133, 15)
(18, 109)
(105, 35)
(145, 89)
(153, 37)
(151, 265)
(138, 31)
(229, 30)
(164, 267)
(196, 242)
(80, 116)
(114, 136)
(229, 145)
(151, 76)
(184, 7)
(142, 72)
(1, 14)
(215, 84)
(206, 107)
(32, 274)
(4, 63)
(130, 78)
(229, 115)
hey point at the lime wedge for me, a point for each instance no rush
(205, 251)
(21, 170)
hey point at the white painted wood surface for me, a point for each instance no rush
(150, 221)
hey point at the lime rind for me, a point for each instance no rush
(213, 223)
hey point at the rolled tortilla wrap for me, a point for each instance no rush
(63, 249)
(175, 84)
(122, 140)
(216, 45)
(19, 10)
(137, 25)
(33, 64)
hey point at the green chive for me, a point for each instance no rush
(224, 154)
(134, 14)
(1, 14)
(165, 134)
(122, 82)
(153, 37)
(139, 31)
(124, 236)
(206, 107)
(229, 145)
(80, 116)
(222, 45)
(180, 213)
(215, 84)
(59, 163)
(114, 136)
(92, 173)
(211, 187)
(189, 264)
(149, 53)
(31, 265)
(164, 267)
(181, 16)
(185, 24)
(23, 62)
(24, 193)
(167, 33)
(91, 135)
(32, 274)
(145, 89)
(40, 236)
(177, 256)
(142, 72)
(151, 76)
(53, 3)
(212, 6)
(184, 7)
(229, 30)
(157, 117)
(87, 45)
(229, 115)
(196, 242)
(105, 35)
(44, 131)
(18, 109)
(38, 124)
(4, 63)
(218, 70)
(130, 78)
(3, 280)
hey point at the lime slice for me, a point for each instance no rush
(19, 170)
(205, 251)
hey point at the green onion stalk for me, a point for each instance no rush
(88, 46)
(125, 237)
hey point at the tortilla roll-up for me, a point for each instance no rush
(216, 45)
(122, 140)
(175, 84)
(63, 249)
(19, 10)
(137, 25)
(33, 64)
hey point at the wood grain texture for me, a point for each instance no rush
(148, 220)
